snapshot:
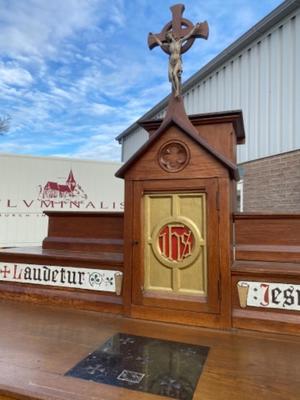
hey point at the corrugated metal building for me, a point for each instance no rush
(260, 74)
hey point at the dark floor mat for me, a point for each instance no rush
(148, 365)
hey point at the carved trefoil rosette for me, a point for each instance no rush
(173, 156)
(175, 243)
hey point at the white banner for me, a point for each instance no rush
(32, 185)
(71, 277)
(285, 296)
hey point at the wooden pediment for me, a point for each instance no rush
(175, 147)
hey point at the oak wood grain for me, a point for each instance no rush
(81, 231)
(40, 343)
(201, 163)
(234, 118)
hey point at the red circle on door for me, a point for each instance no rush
(176, 242)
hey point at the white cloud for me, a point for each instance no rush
(15, 76)
(76, 73)
(39, 27)
(99, 151)
(101, 109)
(56, 91)
(117, 13)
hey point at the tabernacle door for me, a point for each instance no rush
(176, 259)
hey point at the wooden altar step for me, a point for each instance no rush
(39, 344)
(88, 240)
(267, 250)
(83, 299)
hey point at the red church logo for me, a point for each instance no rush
(69, 191)
(176, 242)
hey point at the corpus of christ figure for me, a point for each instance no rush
(173, 46)
(175, 40)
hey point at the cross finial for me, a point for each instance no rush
(176, 38)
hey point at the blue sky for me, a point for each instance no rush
(76, 73)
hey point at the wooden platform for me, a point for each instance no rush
(40, 343)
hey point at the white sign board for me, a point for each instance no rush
(70, 277)
(284, 296)
(31, 185)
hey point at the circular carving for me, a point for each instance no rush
(176, 242)
(188, 43)
(95, 279)
(173, 156)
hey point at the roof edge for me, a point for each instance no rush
(233, 116)
(188, 129)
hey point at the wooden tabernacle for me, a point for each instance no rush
(180, 183)
(184, 256)
(179, 254)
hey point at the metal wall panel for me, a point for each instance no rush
(263, 80)
(131, 143)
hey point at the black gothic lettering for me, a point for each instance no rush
(298, 295)
(46, 275)
(27, 273)
(62, 275)
(73, 280)
(275, 293)
(54, 275)
(81, 277)
(288, 296)
(37, 274)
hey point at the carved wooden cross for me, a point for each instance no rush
(180, 27)
(176, 38)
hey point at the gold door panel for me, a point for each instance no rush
(175, 243)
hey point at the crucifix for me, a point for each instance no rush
(176, 38)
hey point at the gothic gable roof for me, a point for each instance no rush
(176, 116)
